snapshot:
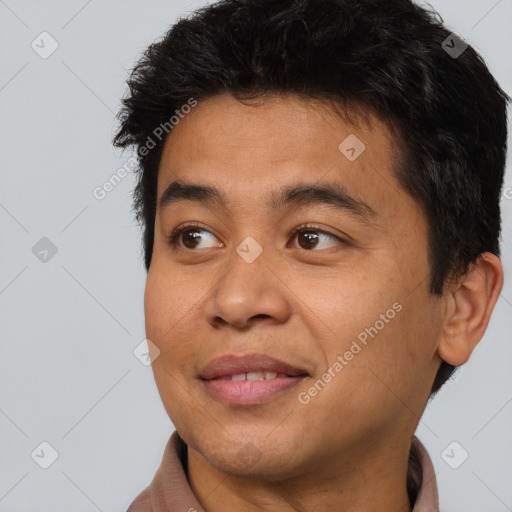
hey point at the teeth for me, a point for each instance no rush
(257, 376)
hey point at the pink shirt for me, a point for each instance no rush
(169, 491)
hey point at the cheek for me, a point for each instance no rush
(167, 301)
(168, 309)
(378, 349)
(392, 371)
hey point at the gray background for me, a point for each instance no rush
(68, 375)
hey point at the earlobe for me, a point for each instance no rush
(469, 304)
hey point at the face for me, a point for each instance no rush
(310, 253)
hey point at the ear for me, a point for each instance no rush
(468, 306)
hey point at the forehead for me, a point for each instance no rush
(246, 149)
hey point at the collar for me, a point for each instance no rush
(169, 491)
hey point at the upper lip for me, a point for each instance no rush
(236, 365)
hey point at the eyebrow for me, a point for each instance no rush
(298, 195)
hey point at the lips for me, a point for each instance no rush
(231, 365)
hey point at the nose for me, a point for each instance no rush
(247, 294)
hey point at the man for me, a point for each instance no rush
(319, 187)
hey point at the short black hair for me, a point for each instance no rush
(391, 57)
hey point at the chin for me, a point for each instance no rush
(252, 454)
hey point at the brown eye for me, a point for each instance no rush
(311, 238)
(190, 237)
(307, 239)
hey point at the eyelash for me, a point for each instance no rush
(173, 238)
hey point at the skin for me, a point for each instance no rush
(304, 304)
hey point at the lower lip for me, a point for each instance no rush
(249, 392)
